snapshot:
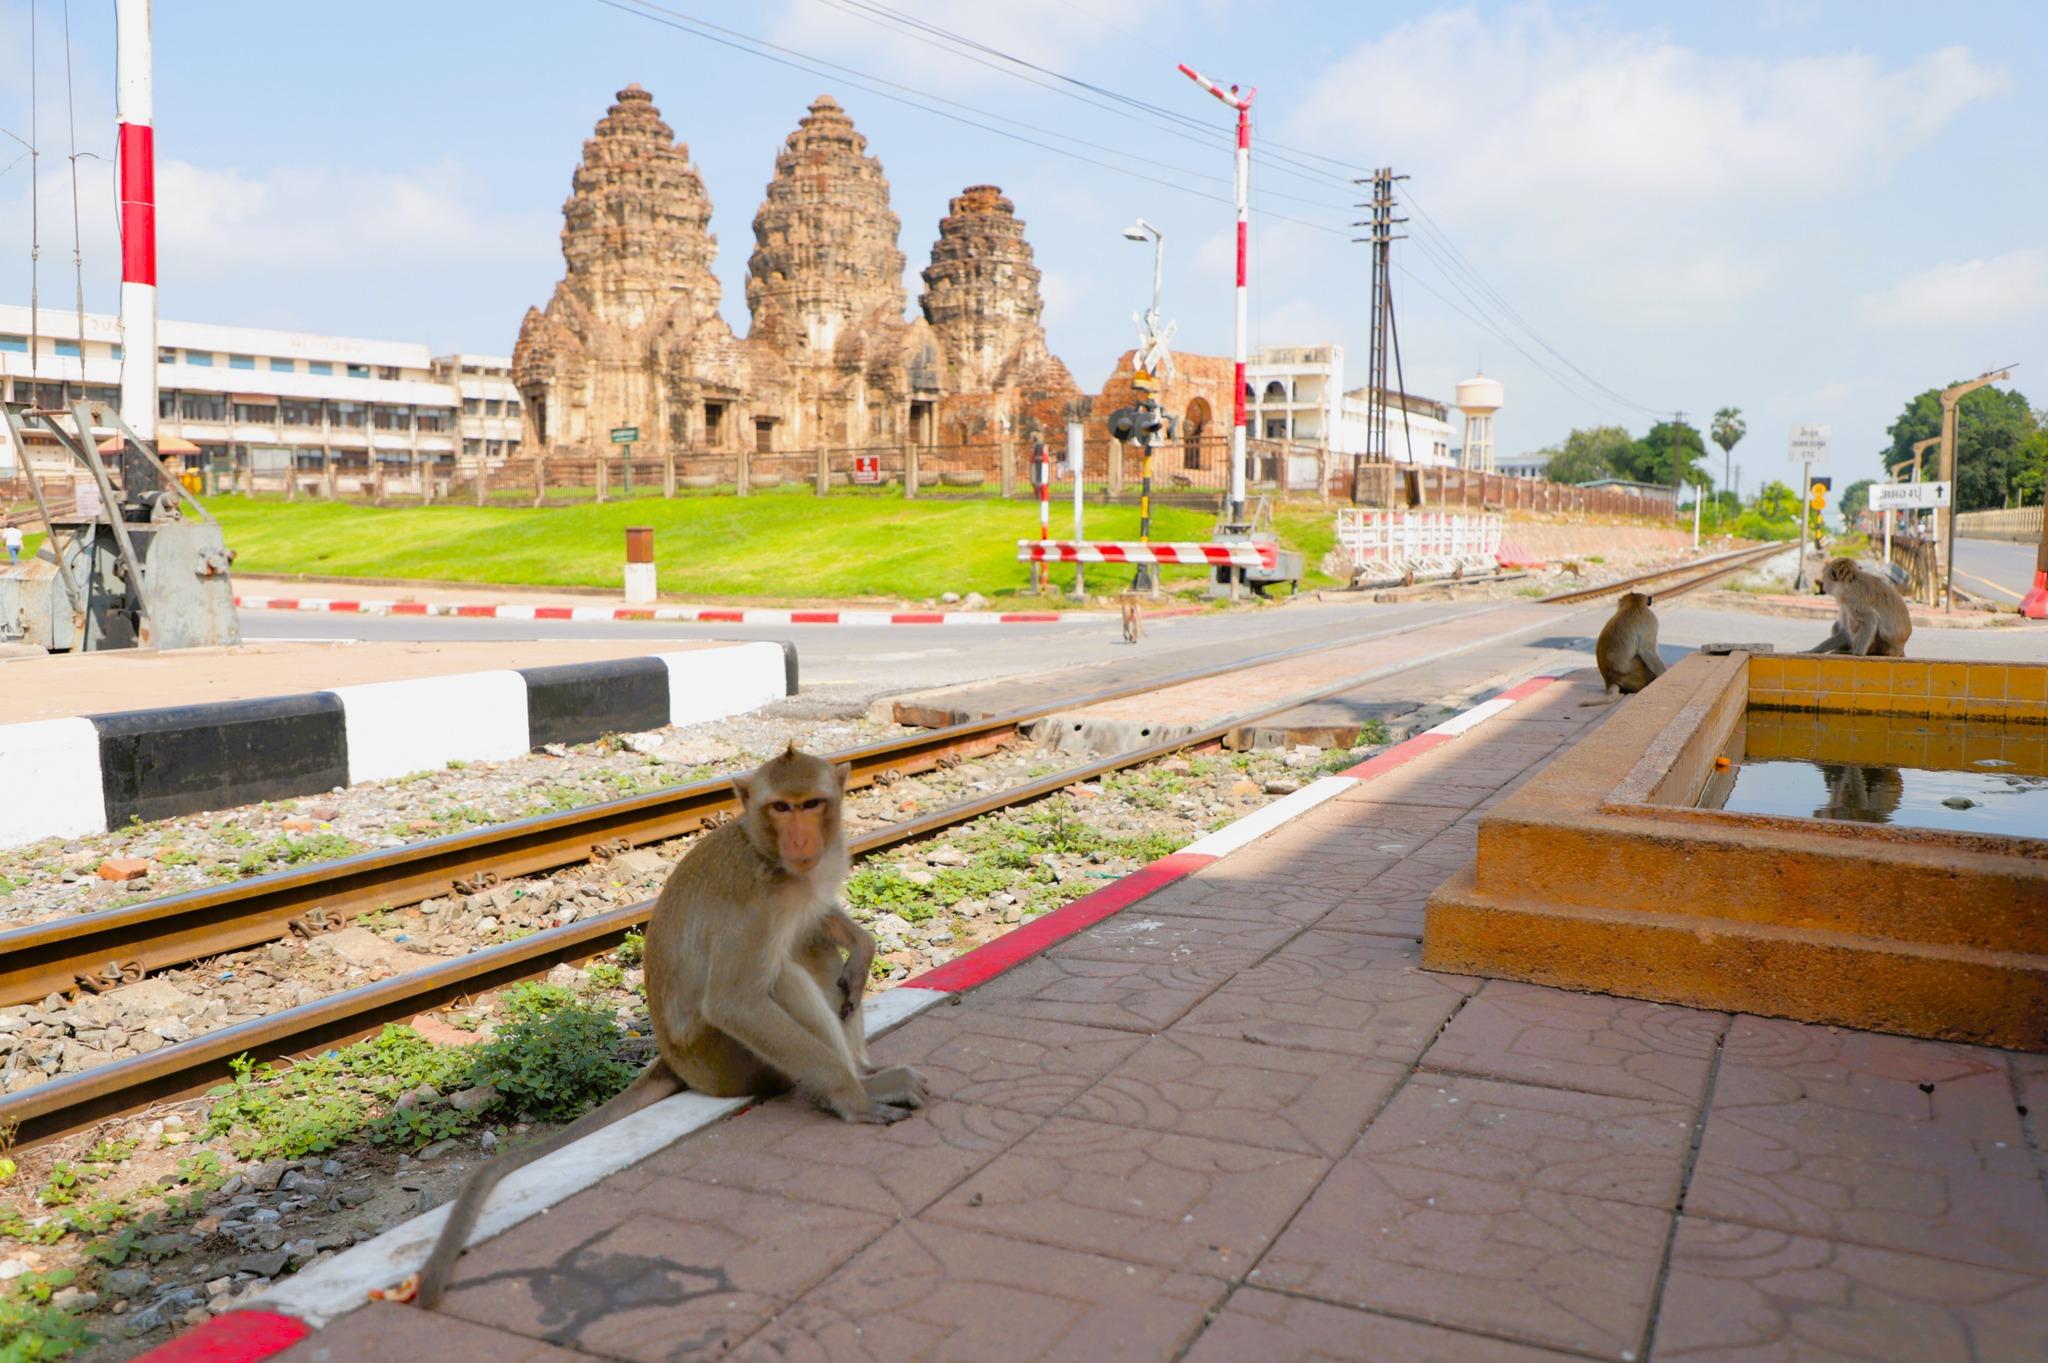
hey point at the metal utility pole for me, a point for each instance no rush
(1243, 105)
(1950, 397)
(135, 110)
(1150, 365)
(1381, 235)
(1677, 474)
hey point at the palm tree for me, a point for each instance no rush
(1728, 430)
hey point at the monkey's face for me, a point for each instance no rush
(1635, 601)
(791, 809)
(801, 829)
(1836, 574)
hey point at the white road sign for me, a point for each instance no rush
(1908, 496)
(1810, 443)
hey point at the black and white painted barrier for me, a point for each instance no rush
(90, 773)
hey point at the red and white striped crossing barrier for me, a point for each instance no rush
(1140, 551)
(685, 615)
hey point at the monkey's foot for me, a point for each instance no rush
(899, 1085)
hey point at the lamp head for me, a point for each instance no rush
(1141, 231)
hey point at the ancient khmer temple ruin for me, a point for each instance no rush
(833, 359)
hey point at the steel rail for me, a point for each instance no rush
(50, 956)
(1720, 566)
(77, 1101)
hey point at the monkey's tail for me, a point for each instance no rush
(652, 1085)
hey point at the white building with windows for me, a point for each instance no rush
(273, 399)
(1297, 393)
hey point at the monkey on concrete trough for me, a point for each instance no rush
(754, 981)
(1871, 617)
(1627, 649)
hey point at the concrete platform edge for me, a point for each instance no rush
(328, 1291)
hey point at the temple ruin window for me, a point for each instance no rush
(922, 427)
(764, 435)
(714, 424)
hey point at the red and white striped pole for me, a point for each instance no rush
(134, 108)
(1044, 469)
(1243, 105)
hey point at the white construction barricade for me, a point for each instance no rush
(1390, 546)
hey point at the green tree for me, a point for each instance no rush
(2030, 468)
(1728, 430)
(1669, 454)
(1993, 427)
(1588, 454)
(1855, 500)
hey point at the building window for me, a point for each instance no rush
(764, 435)
(166, 404)
(17, 344)
(493, 407)
(201, 358)
(511, 406)
(434, 419)
(114, 351)
(66, 350)
(348, 415)
(470, 446)
(202, 407)
(359, 371)
(470, 406)
(714, 424)
(278, 366)
(387, 371)
(319, 367)
(166, 356)
(254, 411)
(297, 413)
(241, 361)
(392, 418)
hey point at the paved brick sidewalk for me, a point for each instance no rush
(1238, 1121)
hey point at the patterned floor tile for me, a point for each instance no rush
(972, 1055)
(1592, 1042)
(1271, 1328)
(1177, 1201)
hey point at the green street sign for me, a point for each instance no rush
(625, 435)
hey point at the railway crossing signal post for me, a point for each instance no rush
(1809, 446)
(1144, 424)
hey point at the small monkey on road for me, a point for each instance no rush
(1627, 650)
(1872, 619)
(747, 985)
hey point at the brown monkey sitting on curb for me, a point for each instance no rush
(747, 989)
(1627, 649)
(1871, 619)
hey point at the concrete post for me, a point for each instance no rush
(910, 468)
(824, 474)
(1006, 468)
(1116, 469)
(668, 470)
(604, 477)
(744, 471)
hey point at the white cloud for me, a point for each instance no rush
(1964, 292)
(223, 220)
(1546, 116)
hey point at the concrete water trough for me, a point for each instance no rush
(1612, 871)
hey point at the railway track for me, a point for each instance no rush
(1702, 573)
(51, 956)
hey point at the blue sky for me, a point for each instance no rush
(1808, 210)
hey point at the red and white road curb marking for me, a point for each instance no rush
(663, 614)
(329, 1290)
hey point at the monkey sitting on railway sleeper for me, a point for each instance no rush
(748, 989)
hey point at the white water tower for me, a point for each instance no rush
(1479, 398)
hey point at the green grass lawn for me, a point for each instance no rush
(772, 545)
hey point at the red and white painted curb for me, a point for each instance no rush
(329, 1290)
(693, 615)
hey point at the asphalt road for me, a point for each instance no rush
(853, 664)
(1999, 569)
